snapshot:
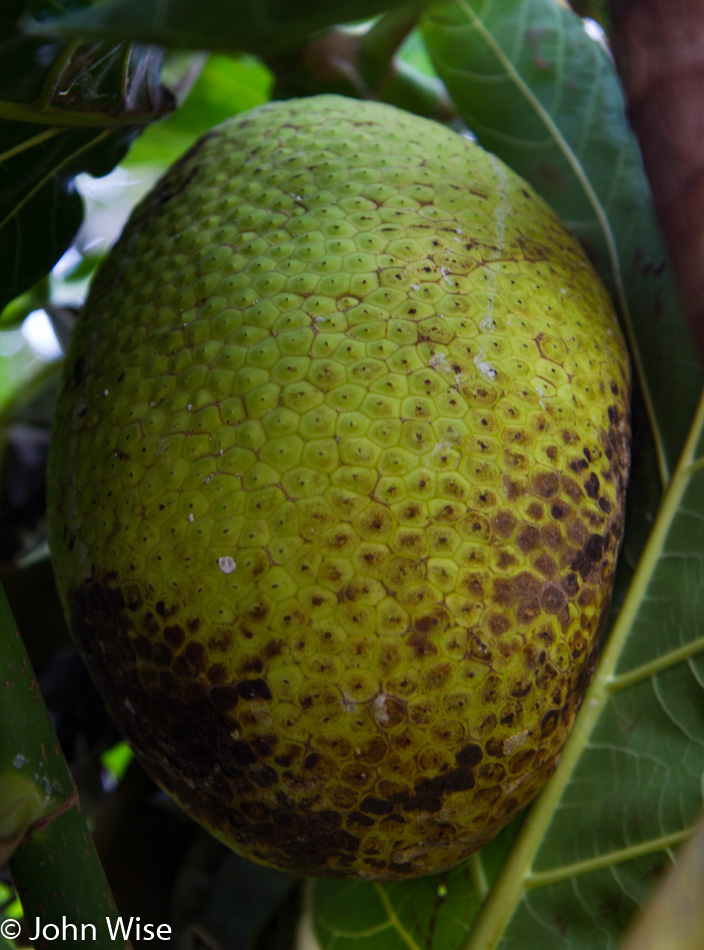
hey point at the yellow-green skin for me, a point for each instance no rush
(337, 486)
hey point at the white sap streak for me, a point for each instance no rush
(381, 713)
(439, 362)
(486, 369)
(504, 207)
(502, 211)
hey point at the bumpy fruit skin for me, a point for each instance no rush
(337, 487)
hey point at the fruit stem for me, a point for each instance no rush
(394, 80)
(382, 40)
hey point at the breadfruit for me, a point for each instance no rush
(337, 487)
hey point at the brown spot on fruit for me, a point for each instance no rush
(503, 591)
(577, 532)
(174, 635)
(546, 484)
(526, 584)
(528, 538)
(591, 486)
(549, 723)
(552, 599)
(594, 548)
(572, 489)
(194, 654)
(527, 611)
(495, 748)
(469, 755)
(375, 806)
(552, 536)
(504, 523)
(546, 565)
(161, 654)
(521, 761)
(535, 511)
(499, 624)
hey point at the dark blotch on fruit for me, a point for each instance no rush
(548, 723)
(469, 755)
(495, 748)
(243, 754)
(552, 599)
(528, 538)
(546, 484)
(265, 776)
(161, 654)
(357, 820)
(591, 486)
(422, 644)
(594, 548)
(376, 806)
(224, 697)
(174, 635)
(194, 653)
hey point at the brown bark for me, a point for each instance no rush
(659, 51)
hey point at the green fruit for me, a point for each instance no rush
(337, 487)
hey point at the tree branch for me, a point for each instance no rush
(659, 51)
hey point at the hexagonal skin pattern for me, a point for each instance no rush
(337, 487)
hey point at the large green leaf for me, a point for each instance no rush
(538, 91)
(65, 108)
(435, 912)
(396, 916)
(254, 26)
(39, 210)
(79, 84)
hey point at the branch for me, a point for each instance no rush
(54, 865)
(659, 51)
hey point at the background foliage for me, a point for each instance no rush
(84, 86)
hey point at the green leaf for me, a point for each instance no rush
(545, 97)
(15, 312)
(65, 108)
(54, 865)
(395, 916)
(22, 802)
(254, 26)
(435, 912)
(116, 760)
(80, 84)
(16, 365)
(39, 210)
(415, 54)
